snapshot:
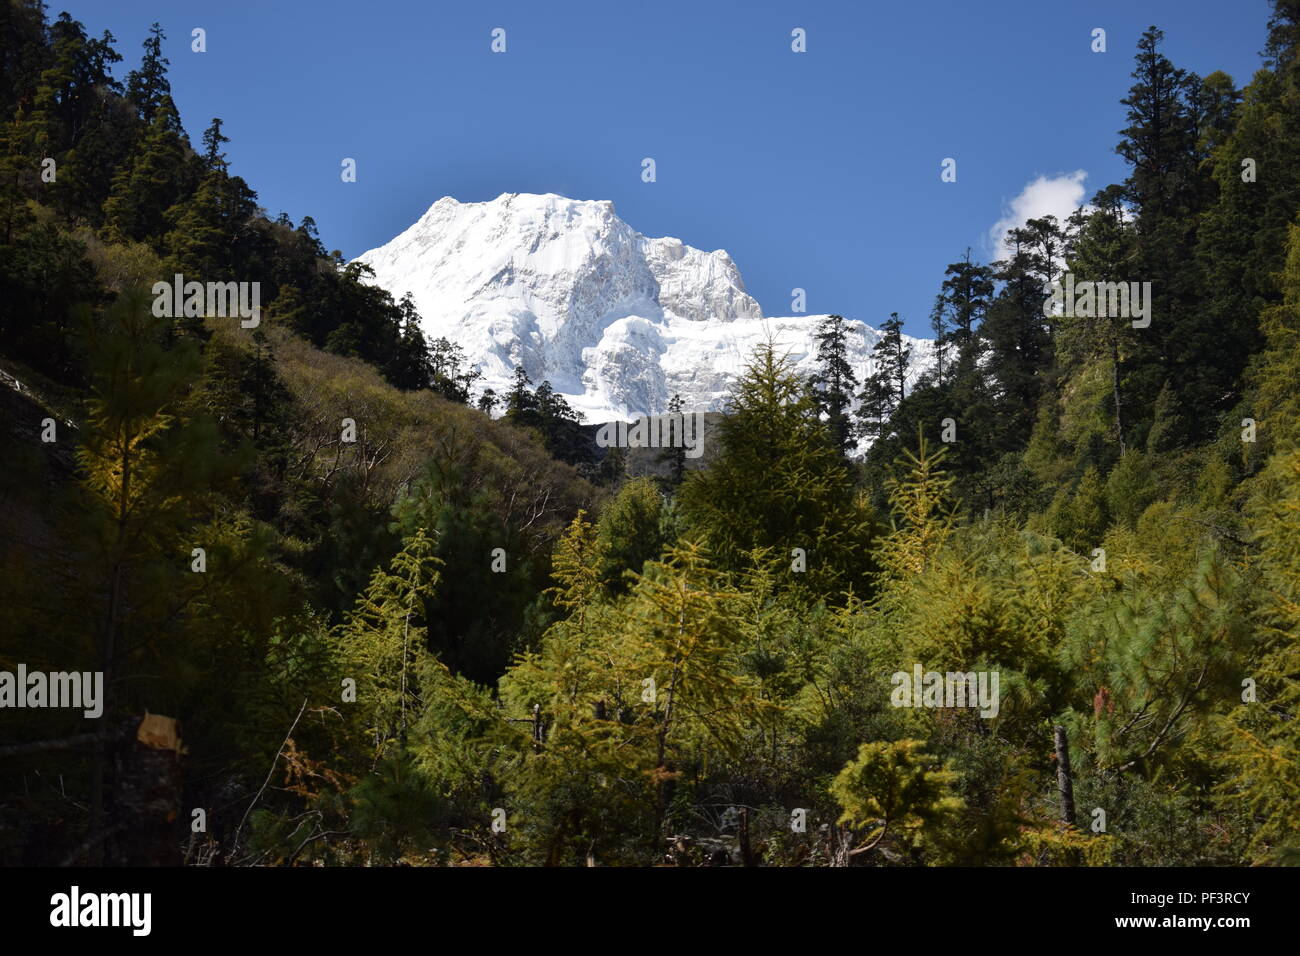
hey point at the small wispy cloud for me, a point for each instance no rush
(1057, 196)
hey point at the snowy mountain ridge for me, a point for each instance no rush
(616, 321)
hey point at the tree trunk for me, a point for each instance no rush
(1114, 382)
(1063, 781)
(746, 851)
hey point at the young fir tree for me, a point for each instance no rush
(575, 567)
(922, 518)
(629, 533)
(778, 484)
(618, 700)
(385, 636)
(897, 790)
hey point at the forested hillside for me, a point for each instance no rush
(394, 629)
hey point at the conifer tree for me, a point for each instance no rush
(834, 383)
(875, 406)
(154, 179)
(148, 87)
(1171, 657)
(213, 140)
(451, 376)
(884, 390)
(384, 637)
(777, 483)
(628, 533)
(620, 698)
(967, 290)
(521, 405)
(1017, 337)
(893, 356)
(1167, 186)
(1101, 247)
(942, 339)
(922, 516)
(574, 566)
(897, 789)
(675, 455)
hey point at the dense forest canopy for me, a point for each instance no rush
(456, 638)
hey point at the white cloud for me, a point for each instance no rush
(1058, 196)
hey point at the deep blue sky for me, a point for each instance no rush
(818, 170)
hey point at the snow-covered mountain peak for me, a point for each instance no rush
(616, 321)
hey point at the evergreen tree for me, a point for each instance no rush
(675, 455)
(967, 291)
(521, 404)
(922, 513)
(154, 179)
(893, 356)
(896, 789)
(416, 365)
(1018, 341)
(80, 72)
(148, 87)
(452, 377)
(561, 428)
(620, 700)
(629, 534)
(875, 406)
(151, 480)
(1103, 243)
(384, 637)
(777, 483)
(884, 390)
(23, 51)
(942, 339)
(1167, 185)
(213, 140)
(834, 383)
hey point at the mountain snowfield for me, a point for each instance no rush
(617, 322)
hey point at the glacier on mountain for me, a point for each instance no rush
(616, 321)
